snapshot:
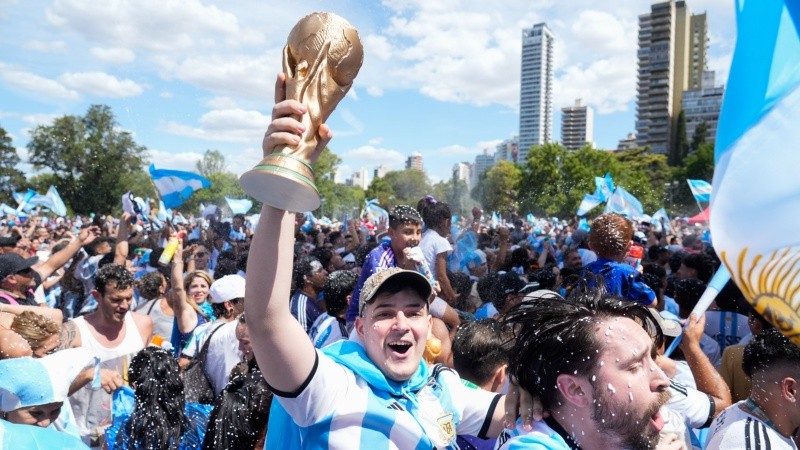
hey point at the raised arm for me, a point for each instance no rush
(177, 299)
(281, 347)
(706, 377)
(58, 259)
(123, 233)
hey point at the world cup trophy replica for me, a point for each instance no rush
(321, 59)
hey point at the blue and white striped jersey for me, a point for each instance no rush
(327, 330)
(338, 409)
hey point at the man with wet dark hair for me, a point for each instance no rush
(770, 417)
(330, 326)
(590, 360)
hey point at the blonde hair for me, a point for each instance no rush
(34, 328)
(197, 273)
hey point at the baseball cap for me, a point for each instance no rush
(9, 241)
(227, 288)
(11, 263)
(669, 327)
(408, 278)
(511, 283)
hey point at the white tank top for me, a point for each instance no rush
(92, 409)
(131, 343)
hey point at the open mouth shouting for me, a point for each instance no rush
(399, 347)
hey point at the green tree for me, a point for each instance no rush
(407, 187)
(381, 189)
(11, 178)
(349, 201)
(455, 193)
(213, 162)
(699, 136)
(501, 186)
(542, 183)
(681, 146)
(89, 155)
(643, 174)
(324, 177)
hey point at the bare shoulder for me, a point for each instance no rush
(145, 325)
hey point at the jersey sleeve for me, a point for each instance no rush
(475, 405)
(697, 408)
(318, 396)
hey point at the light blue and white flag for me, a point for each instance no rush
(374, 212)
(164, 213)
(756, 200)
(660, 218)
(175, 186)
(701, 190)
(495, 220)
(624, 203)
(58, 207)
(604, 187)
(589, 202)
(23, 199)
(239, 205)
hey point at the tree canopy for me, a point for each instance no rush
(11, 178)
(89, 155)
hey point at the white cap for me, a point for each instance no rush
(227, 288)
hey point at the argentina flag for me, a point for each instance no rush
(701, 190)
(756, 202)
(176, 186)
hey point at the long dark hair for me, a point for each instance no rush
(240, 413)
(158, 420)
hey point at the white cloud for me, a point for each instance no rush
(45, 46)
(375, 141)
(231, 125)
(165, 94)
(222, 103)
(148, 24)
(40, 119)
(375, 91)
(368, 155)
(116, 55)
(34, 84)
(233, 75)
(101, 84)
(356, 127)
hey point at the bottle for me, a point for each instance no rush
(169, 250)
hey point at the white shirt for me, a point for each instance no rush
(735, 428)
(432, 244)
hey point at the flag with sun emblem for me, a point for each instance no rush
(756, 201)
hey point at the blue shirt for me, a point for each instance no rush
(621, 280)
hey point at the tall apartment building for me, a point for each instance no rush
(483, 163)
(508, 150)
(703, 105)
(536, 88)
(414, 161)
(463, 171)
(672, 56)
(577, 125)
(360, 179)
(380, 172)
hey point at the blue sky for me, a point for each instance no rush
(440, 77)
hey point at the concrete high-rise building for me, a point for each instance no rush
(577, 125)
(380, 172)
(536, 88)
(462, 171)
(359, 178)
(507, 150)
(703, 105)
(628, 143)
(414, 161)
(672, 56)
(483, 163)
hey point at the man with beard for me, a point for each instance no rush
(590, 361)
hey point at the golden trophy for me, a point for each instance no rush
(322, 56)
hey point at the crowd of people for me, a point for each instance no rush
(425, 330)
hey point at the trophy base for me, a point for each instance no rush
(282, 181)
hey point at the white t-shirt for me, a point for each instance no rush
(432, 244)
(223, 355)
(735, 428)
(697, 408)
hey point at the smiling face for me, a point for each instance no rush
(405, 235)
(39, 415)
(394, 329)
(198, 290)
(630, 388)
